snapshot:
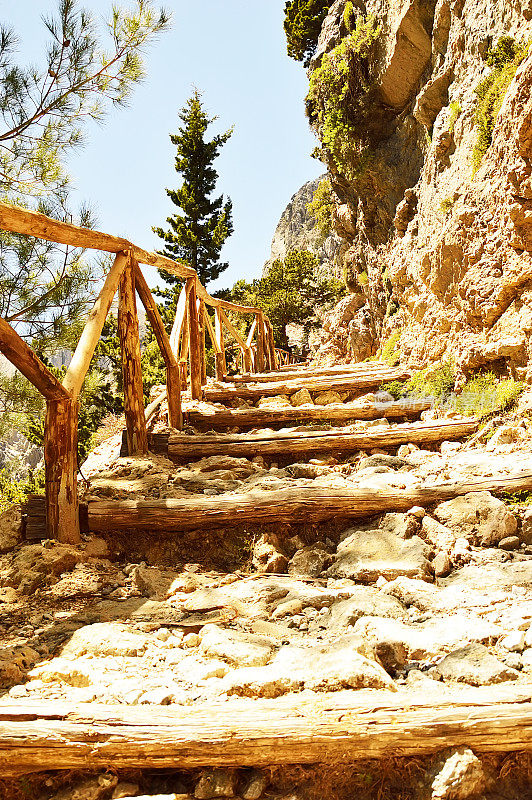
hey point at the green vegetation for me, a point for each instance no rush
(446, 206)
(290, 291)
(348, 16)
(197, 236)
(14, 491)
(504, 59)
(388, 351)
(46, 289)
(302, 24)
(456, 110)
(483, 394)
(321, 208)
(335, 101)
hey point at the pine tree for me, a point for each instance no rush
(197, 236)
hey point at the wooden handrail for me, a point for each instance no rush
(186, 339)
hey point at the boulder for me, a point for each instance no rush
(366, 555)
(278, 401)
(10, 528)
(479, 517)
(365, 601)
(327, 398)
(301, 398)
(105, 639)
(455, 775)
(309, 561)
(237, 647)
(474, 664)
(216, 783)
(526, 527)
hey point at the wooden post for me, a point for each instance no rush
(128, 330)
(260, 342)
(221, 363)
(61, 467)
(194, 340)
(201, 322)
(271, 344)
(173, 382)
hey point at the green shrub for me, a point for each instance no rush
(15, 492)
(335, 100)
(348, 16)
(446, 206)
(388, 351)
(302, 25)
(484, 394)
(362, 278)
(504, 59)
(456, 110)
(321, 208)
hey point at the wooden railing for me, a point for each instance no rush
(183, 353)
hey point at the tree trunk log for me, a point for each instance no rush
(61, 470)
(271, 345)
(263, 417)
(302, 374)
(24, 359)
(332, 441)
(201, 322)
(194, 343)
(73, 380)
(254, 391)
(221, 364)
(327, 728)
(128, 330)
(260, 359)
(294, 504)
(173, 392)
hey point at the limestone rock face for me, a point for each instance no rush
(440, 253)
(297, 230)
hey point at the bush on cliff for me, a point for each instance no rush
(302, 24)
(335, 103)
(505, 59)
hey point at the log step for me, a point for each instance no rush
(329, 728)
(264, 417)
(183, 447)
(341, 383)
(363, 368)
(293, 504)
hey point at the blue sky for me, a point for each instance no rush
(234, 52)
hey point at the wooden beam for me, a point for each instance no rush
(327, 728)
(154, 317)
(246, 351)
(261, 355)
(24, 359)
(61, 470)
(180, 322)
(332, 441)
(271, 344)
(251, 333)
(194, 340)
(203, 356)
(293, 504)
(364, 368)
(221, 364)
(30, 223)
(264, 417)
(349, 383)
(79, 365)
(128, 330)
(173, 381)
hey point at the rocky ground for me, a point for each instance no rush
(421, 601)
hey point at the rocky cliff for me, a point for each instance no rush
(428, 142)
(297, 230)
